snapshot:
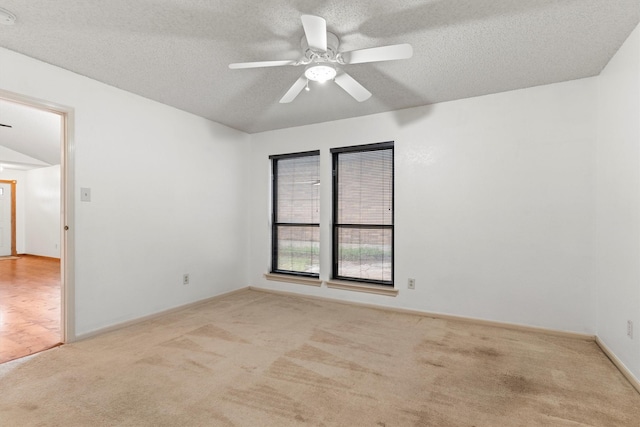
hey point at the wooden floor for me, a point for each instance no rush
(29, 305)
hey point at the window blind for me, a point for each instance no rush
(363, 213)
(296, 214)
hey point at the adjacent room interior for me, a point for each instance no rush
(30, 288)
(515, 285)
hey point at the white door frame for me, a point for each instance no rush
(12, 210)
(67, 218)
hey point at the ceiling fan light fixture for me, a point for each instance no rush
(320, 73)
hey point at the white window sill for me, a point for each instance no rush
(309, 281)
(362, 287)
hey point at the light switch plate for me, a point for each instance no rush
(85, 194)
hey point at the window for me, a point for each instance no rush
(363, 213)
(295, 230)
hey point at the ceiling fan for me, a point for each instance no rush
(324, 63)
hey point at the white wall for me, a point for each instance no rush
(168, 197)
(494, 204)
(21, 182)
(618, 203)
(37, 210)
(43, 212)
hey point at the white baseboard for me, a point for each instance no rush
(505, 325)
(621, 366)
(154, 315)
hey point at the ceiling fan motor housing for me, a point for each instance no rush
(329, 56)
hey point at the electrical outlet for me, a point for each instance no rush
(185, 279)
(630, 329)
(411, 284)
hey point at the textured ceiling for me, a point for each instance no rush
(177, 51)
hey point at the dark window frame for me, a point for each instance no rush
(274, 214)
(335, 152)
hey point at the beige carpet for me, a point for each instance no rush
(258, 359)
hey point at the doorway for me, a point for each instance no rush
(33, 279)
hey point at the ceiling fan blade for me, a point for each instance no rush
(376, 54)
(294, 90)
(315, 29)
(260, 64)
(352, 87)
